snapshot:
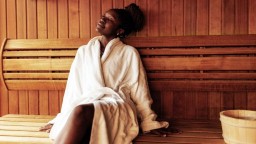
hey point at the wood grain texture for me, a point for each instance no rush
(24, 128)
(190, 77)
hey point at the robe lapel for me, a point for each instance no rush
(109, 48)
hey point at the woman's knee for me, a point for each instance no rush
(84, 111)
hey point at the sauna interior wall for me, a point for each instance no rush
(52, 19)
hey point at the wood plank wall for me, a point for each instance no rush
(77, 19)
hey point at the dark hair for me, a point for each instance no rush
(131, 19)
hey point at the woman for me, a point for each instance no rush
(107, 87)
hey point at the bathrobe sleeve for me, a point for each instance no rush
(73, 87)
(141, 96)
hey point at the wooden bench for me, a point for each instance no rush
(191, 78)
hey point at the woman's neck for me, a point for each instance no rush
(105, 40)
(103, 43)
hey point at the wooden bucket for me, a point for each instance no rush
(238, 126)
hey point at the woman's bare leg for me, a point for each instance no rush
(78, 127)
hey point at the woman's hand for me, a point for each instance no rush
(47, 128)
(164, 132)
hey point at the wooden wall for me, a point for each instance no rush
(77, 19)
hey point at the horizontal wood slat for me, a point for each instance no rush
(37, 64)
(60, 53)
(36, 84)
(201, 63)
(27, 132)
(176, 85)
(26, 44)
(206, 75)
(193, 41)
(206, 85)
(36, 75)
(171, 41)
(197, 51)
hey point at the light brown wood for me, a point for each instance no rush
(185, 73)
(24, 128)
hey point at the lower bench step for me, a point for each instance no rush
(24, 129)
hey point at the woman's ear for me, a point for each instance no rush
(120, 32)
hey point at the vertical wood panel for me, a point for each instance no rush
(127, 2)
(240, 100)
(165, 16)
(214, 102)
(61, 95)
(118, 4)
(2, 20)
(153, 18)
(42, 19)
(227, 101)
(251, 101)
(215, 17)
(202, 17)
(252, 18)
(167, 104)
(190, 17)
(179, 105)
(228, 19)
(21, 19)
(190, 104)
(63, 19)
(11, 19)
(177, 18)
(43, 102)
(202, 105)
(143, 6)
(241, 16)
(33, 97)
(156, 96)
(13, 102)
(106, 5)
(52, 19)
(84, 7)
(23, 102)
(31, 19)
(53, 102)
(3, 91)
(73, 14)
(95, 16)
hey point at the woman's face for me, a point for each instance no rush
(108, 24)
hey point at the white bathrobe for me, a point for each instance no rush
(117, 86)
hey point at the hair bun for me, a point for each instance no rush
(137, 16)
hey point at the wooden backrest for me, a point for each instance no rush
(204, 63)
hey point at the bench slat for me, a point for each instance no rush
(24, 140)
(8, 123)
(36, 84)
(62, 53)
(23, 120)
(201, 63)
(28, 116)
(36, 75)
(24, 134)
(193, 41)
(208, 85)
(37, 64)
(19, 128)
(198, 131)
(151, 75)
(203, 75)
(187, 140)
(177, 85)
(196, 51)
(21, 44)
